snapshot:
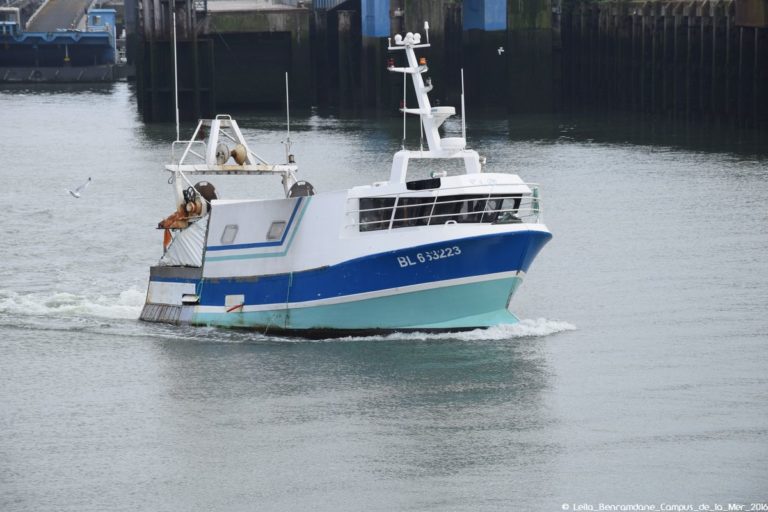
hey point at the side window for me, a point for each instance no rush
(229, 234)
(276, 230)
(460, 209)
(375, 213)
(509, 210)
(413, 211)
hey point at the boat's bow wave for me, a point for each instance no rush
(527, 328)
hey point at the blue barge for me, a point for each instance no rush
(65, 55)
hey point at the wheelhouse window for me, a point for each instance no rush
(378, 213)
(375, 213)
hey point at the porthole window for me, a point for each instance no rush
(229, 234)
(276, 230)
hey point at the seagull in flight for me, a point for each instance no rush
(79, 190)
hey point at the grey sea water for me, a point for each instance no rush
(637, 376)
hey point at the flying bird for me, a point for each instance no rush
(79, 190)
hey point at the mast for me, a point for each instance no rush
(288, 155)
(431, 117)
(175, 76)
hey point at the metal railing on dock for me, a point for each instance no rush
(327, 4)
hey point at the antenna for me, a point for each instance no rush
(404, 113)
(288, 155)
(421, 135)
(175, 76)
(463, 111)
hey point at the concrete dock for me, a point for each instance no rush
(58, 14)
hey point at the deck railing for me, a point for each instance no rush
(457, 205)
(187, 147)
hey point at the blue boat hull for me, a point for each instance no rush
(456, 284)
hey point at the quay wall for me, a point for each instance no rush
(698, 60)
(254, 50)
(225, 59)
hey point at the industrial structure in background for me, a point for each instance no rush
(237, 51)
(693, 60)
(58, 41)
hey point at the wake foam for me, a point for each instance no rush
(532, 328)
(528, 328)
(126, 305)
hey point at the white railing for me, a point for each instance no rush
(410, 208)
(187, 147)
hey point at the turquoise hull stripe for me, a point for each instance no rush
(266, 254)
(453, 307)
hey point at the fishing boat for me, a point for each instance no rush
(445, 252)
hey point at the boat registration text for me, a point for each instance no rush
(427, 256)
